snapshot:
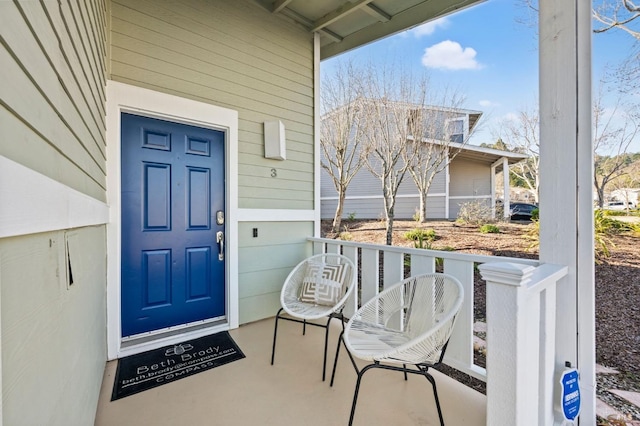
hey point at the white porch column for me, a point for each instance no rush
(566, 169)
(507, 188)
(512, 319)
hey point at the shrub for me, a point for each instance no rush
(489, 229)
(351, 216)
(346, 236)
(421, 234)
(475, 213)
(604, 228)
(535, 214)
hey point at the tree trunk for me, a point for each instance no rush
(423, 207)
(337, 218)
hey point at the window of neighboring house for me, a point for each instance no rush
(413, 121)
(456, 130)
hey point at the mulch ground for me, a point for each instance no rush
(617, 278)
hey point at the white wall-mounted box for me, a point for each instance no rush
(274, 140)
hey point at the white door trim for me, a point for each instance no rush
(127, 98)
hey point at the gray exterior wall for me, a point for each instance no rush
(53, 341)
(237, 55)
(364, 197)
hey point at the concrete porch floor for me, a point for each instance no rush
(291, 392)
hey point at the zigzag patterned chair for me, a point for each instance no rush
(318, 287)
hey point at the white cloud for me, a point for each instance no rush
(487, 103)
(429, 28)
(511, 116)
(450, 55)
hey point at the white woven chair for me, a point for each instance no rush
(318, 287)
(408, 323)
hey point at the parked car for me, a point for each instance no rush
(521, 211)
(618, 205)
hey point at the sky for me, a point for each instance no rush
(488, 53)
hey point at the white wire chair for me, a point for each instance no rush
(408, 323)
(318, 287)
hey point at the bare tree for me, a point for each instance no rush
(609, 15)
(613, 129)
(437, 136)
(618, 14)
(341, 131)
(392, 96)
(522, 135)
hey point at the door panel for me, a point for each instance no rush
(172, 187)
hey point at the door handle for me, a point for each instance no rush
(220, 241)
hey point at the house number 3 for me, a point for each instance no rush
(274, 173)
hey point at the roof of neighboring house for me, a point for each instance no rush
(488, 155)
(346, 24)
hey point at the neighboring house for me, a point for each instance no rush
(111, 107)
(469, 176)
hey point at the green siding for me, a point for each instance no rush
(52, 108)
(265, 262)
(236, 55)
(53, 335)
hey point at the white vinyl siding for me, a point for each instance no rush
(235, 55)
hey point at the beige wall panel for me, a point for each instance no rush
(49, 102)
(469, 178)
(79, 62)
(236, 55)
(49, 162)
(170, 50)
(265, 261)
(225, 23)
(147, 70)
(28, 104)
(259, 307)
(53, 335)
(55, 81)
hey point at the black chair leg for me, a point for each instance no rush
(357, 390)
(435, 394)
(326, 342)
(275, 334)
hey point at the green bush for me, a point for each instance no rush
(603, 228)
(489, 229)
(418, 234)
(535, 214)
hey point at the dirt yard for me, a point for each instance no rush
(617, 278)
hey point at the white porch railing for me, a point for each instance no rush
(520, 313)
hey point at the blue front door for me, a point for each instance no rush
(172, 195)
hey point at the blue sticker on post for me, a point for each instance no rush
(570, 383)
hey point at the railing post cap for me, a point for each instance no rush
(506, 273)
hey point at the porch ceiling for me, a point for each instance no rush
(344, 25)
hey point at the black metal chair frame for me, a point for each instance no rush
(304, 323)
(422, 370)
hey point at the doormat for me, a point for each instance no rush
(140, 372)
